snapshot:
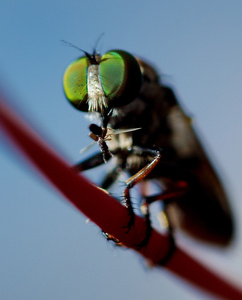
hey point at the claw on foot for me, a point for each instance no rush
(110, 237)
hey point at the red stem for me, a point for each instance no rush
(105, 211)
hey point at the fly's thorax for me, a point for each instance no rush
(151, 82)
(148, 71)
(134, 163)
(122, 141)
(96, 97)
(128, 115)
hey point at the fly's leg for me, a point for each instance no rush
(95, 161)
(180, 189)
(91, 162)
(111, 177)
(146, 213)
(112, 238)
(172, 243)
(132, 181)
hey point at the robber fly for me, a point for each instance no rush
(126, 93)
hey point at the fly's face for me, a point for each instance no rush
(99, 84)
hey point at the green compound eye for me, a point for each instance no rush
(121, 77)
(95, 85)
(75, 83)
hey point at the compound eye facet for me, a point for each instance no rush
(120, 76)
(75, 83)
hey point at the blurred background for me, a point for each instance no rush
(47, 250)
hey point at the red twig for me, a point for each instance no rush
(103, 210)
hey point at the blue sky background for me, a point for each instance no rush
(47, 251)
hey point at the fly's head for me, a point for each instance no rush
(95, 83)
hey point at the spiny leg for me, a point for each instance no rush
(132, 181)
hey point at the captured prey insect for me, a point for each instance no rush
(126, 93)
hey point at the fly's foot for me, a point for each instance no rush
(110, 237)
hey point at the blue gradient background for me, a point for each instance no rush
(47, 251)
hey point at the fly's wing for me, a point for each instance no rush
(204, 211)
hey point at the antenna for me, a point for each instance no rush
(97, 42)
(91, 58)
